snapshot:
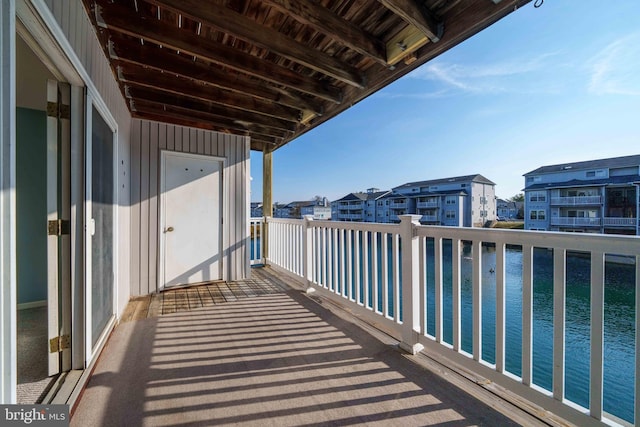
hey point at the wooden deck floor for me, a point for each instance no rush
(262, 353)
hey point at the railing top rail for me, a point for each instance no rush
(611, 244)
(358, 226)
(285, 221)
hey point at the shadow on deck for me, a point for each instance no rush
(265, 354)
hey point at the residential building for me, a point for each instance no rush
(508, 209)
(596, 196)
(319, 208)
(256, 209)
(461, 201)
(358, 206)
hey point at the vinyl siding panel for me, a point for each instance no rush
(148, 139)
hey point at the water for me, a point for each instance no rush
(619, 319)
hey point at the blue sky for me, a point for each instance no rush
(555, 84)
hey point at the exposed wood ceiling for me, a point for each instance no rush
(273, 69)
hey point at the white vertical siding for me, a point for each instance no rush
(148, 138)
(72, 19)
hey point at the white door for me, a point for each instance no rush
(191, 219)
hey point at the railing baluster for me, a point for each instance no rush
(636, 405)
(527, 314)
(395, 253)
(356, 265)
(336, 246)
(349, 281)
(477, 299)
(385, 274)
(343, 272)
(455, 278)
(423, 284)
(559, 297)
(437, 254)
(597, 334)
(366, 235)
(374, 271)
(500, 306)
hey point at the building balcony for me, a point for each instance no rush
(350, 216)
(619, 222)
(428, 204)
(429, 218)
(576, 222)
(398, 205)
(577, 201)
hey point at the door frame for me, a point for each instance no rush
(92, 102)
(161, 207)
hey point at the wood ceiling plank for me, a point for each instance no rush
(239, 26)
(168, 61)
(332, 25)
(160, 96)
(414, 13)
(123, 20)
(169, 82)
(168, 111)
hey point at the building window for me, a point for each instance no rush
(538, 196)
(449, 214)
(450, 200)
(540, 215)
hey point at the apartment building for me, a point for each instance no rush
(463, 201)
(358, 206)
(596, 196)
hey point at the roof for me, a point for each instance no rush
(613, 162)
(620, 180)
(273, 69)
(466, 178)
(359, 195)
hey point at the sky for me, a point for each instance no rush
(543, 86)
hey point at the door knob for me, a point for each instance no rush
(168, 230)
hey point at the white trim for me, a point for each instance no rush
(32, 304)
(8, 358)
(161, 206)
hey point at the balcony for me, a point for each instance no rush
(429, 218)
(350, 216)
(576, 222)
(420, 304)
(398, 205)
(427, 204)
(619, 222)
(577, 201)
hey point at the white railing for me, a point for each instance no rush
(431, 204)
(380, 271)
(398, 205)
(256, 233)
(350, 216)
(577, 200)
(429, 218)
(621, 222)
(572, 221)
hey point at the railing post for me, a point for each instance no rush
(264, 240)
(410, 284)
(307, 251)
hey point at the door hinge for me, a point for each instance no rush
(59, 343)
(61, 111)
(58, 227)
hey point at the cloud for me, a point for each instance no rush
(614, 70)
(502, 76)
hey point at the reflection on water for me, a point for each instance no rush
(619, 344)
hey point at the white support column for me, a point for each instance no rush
(410, 284)
(267, 201)
(307, 254)
(7, 202)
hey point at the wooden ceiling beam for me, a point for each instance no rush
(259, 123)
(139, 76)
(171, 112)
(124, 20)
(323, 20)
(415, 13)
(226, 20)
(125, 51)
